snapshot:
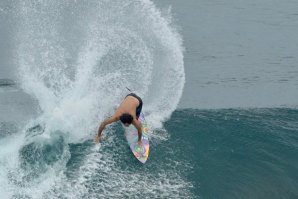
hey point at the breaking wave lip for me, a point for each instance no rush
(76, 58)
(135, 48)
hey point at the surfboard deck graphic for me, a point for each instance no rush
(141, 152)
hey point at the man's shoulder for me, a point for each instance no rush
(116, 116)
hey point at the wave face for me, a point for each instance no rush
(237, 153)
(76, 58)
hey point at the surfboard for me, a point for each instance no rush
(141, 152)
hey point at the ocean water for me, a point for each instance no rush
(238, 53)
(218, 80)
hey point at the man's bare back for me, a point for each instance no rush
(128, 112)
(128, 105)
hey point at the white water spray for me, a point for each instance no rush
(76, 58)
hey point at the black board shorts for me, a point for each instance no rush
(139, 108)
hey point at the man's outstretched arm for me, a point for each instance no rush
(138, 126)
(103, 125)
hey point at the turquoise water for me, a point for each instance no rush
(228, 153)
(219, 85)
(238, 153)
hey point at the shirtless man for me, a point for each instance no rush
(128, 113)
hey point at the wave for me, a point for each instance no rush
(76, 58)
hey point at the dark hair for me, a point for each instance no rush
(126, 118)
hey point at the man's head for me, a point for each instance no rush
(126, 119)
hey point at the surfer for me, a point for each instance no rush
(128, 113)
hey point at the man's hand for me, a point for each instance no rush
(97, 139)
(138, 126)
(139, 142)
(102, 126)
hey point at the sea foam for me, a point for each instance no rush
(77, 58)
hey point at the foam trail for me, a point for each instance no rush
(76, 58)
(101, 177)
(8, 161)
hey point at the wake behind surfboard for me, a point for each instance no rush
(141, 152)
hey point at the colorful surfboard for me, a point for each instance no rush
(141, 152)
